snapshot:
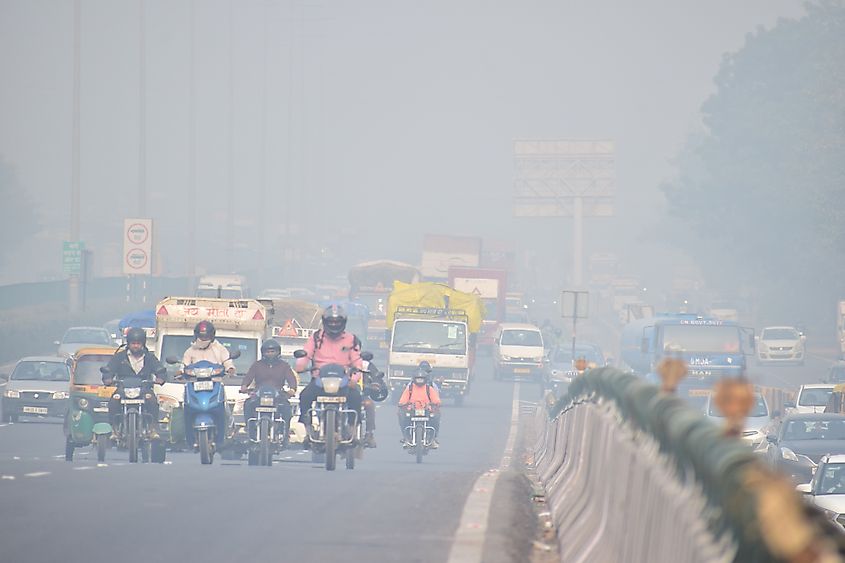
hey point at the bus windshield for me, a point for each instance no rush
(701, 338)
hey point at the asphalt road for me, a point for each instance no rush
(387, 509)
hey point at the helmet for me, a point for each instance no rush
(204, 331)
(270, 349)
(136, 334)
(420, 378)
(334, 320)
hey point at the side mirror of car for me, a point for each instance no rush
(57, 343)
(771, 438)
(104, 370)
(366, 356)
(234, 354)
(776, 414)
(172, 360)
(789, 404)
(300, 354)
(805, 488)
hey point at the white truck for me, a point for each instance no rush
(222, 286)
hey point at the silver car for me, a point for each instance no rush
(756, 425)
(77, 337)
(38, 386)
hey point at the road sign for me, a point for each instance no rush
(575, 304)
(72, 252)
(137, 246)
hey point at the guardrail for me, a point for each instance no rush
(633, 474)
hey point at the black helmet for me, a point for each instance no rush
(421, 378)
(136, 334)
(269, 346)
(204, 331)
(334, 320)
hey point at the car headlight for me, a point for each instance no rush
(58, 395)
(840, 519)
(788, 455)
(12, 394)
(267, 401)
(83, 403)
(132, 392)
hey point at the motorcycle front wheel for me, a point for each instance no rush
(132, 436)
(265, 456)
(419, 441)
(331, 435)
(206, 454)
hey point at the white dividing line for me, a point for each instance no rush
(82, 468)
(468, 545)
(36, 474)
(7, 477)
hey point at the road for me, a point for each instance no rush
(387, 509)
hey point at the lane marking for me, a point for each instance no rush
(7, 477)
(36, 474)
(468, 544)
(82, 468)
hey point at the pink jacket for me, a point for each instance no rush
(321, 349)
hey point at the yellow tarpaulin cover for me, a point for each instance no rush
(429, 294)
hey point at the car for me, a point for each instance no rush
(827, 488)
(780, 344)
(38, 386)
(801, 441)
(836, 373)
(812, 397)
(756, 424)
(519, 352)
(77, 337)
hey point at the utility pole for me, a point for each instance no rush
(192, 157)
(142, 110)
(230, 199)
(262, 184)
(73, 281)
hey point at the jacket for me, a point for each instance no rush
(264, 374)
(119, 367)
(321, 350)
(414, 394)
(215, 352)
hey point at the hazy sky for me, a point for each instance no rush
(383, 120)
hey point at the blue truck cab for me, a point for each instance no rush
(711, 348)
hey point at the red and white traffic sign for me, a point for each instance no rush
(137, 246)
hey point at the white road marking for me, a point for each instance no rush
(468, 545)
(36, 474)
(4, 424)
(7, 477)
(102, 465)
(83, 467)
(16, 458)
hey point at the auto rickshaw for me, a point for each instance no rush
(87, 419)
(836, 401)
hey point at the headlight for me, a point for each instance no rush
(83, 403)
(132, 392)
(506, 358)
(331, 385)
(840, 519)
(267, 401)
(167, 403)
(12, 394)
(58, 395)
(203, 372)
(788, 454)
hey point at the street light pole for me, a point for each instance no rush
(73, 281)
(192, 156)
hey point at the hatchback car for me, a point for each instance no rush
(756, 424)
(77, 337)
(780, 344)
(38, 386)
(827, 488)
(802, 440)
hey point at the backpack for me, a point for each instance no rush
(427, 390)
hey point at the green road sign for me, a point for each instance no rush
(72, 257)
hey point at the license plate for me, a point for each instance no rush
(101, 409)
(105, 392)
(132, 402)
(203, 385)
(331, 399)
(35, 410)
(521, 370)
(265, 409)
(419, 419)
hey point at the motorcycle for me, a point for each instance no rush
(205, 406)
(134, 425)
(334, 429)
(268, 430)
(418, 433)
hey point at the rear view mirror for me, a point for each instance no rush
(234, 354)
(789, 405)
(300, 354)
(771, 438)
(367, 356)
(172, 360)
(805, 488)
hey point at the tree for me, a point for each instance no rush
(18, 220)
(760, 194)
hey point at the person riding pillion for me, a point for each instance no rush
(420, 393)
(270, 371)
(331, 345)
(206, 347)
(134, 360)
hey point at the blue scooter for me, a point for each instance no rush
(205, 406)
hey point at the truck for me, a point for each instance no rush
(441, 252)
(240, 324)
(711, 348)
(491, 286)
(433, 322)
(370, 283)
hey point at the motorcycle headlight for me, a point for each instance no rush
(331, 385)
(83, 403)
(59, 395)
(267, 401)
(12, 394)
(419, 412)
(132, 392)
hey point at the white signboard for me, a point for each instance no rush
(137, 246)
(484, 288)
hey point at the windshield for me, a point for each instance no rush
(815, 396)
(521, 338)
(375, 302)
(430, 337)
(564, 356)
(780, 334)
(701, 338)
(759, 408)
(86, 336)
(87, 370)
(832, 481)
(176, 344)
(815, 430)
(41, 371)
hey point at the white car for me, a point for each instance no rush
(780, 344)
(811, 398)
(756, 424)
(827, 488)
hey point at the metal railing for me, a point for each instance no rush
(634, 474)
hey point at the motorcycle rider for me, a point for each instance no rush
(420, 393)
(205, 347)
(134, 360)
(270, 371)
(374, 389)
(331, 345)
